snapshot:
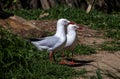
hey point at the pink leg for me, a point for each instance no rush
(62, 61)
(50, 56)
(72, 62)
(63, 55)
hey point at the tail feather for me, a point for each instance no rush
(35, 39)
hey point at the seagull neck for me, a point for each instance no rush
(60, 30)
(71, 32)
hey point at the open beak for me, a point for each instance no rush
(79, 28)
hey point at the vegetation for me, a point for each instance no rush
(102, 5)
(97, 20)
(20, 60)
(84, 49)
(111, 46)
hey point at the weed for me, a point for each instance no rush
(98, 75)
(84, 49)
(95, 19)
(111, 46)
(113, 33)
(19, 59)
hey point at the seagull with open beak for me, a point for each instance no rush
(71, 40)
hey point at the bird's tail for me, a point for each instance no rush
(34, 39)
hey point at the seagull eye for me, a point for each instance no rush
(65, 21)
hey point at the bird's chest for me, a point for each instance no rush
(71, 44)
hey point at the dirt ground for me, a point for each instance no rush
(107, 62)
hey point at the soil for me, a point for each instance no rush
(107, 62)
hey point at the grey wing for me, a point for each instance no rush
(49, 41)
(59, 45)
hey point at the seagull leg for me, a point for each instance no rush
(50, 55)
(72, 62)
(54, 57)
(62, 61)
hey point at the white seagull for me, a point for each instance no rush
(53, 43)
(71, 40)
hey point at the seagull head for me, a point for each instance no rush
(64, 22)
(72, 27)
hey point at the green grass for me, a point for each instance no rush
(79, 50)
(111, 46)
(28, 14)
(21, 60)
(113, 33)
(84, 49)
(98, 75)
(95, 19)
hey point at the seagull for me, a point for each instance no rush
(53, 43)
(71, 40)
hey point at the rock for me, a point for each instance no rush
(21, 27)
